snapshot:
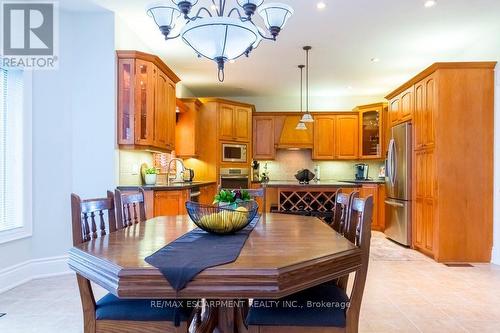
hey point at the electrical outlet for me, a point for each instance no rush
(135, 169)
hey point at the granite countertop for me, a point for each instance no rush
(365, 181)
(171, 187)
(323, 183)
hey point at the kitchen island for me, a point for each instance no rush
(318, 198)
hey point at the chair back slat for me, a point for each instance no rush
(131, 207)
(342, 211)
(359, 232)
(84, 214)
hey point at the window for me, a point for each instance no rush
(15, 219)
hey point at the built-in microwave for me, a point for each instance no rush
(234, 153)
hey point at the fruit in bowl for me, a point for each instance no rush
(222, 219)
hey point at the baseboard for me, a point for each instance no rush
(16, 275)
(495, 255)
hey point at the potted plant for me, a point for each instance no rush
(150, 176)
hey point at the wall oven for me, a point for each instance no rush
(236, 153)
(234, 178)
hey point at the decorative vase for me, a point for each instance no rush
(150, 179)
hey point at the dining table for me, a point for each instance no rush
(283, 254)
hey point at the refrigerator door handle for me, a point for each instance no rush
(394, 203)
(392, 162)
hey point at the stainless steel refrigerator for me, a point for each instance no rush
(398, 185)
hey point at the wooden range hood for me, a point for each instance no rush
(290, 138)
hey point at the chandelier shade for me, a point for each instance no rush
(220, 37)
(301, 126)
(164, 16)
(307, 118)
(249, 6)
(275, 16)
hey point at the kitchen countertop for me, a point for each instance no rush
(171, 187)
(323, 183)
(366, 181)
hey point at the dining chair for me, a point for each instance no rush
(337, 311)
(341, 210)
(130, 208)
(111, 314)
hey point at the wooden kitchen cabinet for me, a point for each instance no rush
(263, 138)
(207, 194)
(324, 138)
(235, 123)
(170, 203)
(372, 131)
(346, 137)
(378, 214)
(452, 106)
(187, 130)
(146, 102)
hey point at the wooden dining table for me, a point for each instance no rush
(284, 254)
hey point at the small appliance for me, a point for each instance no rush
(361, 171)
(234, 178)
(236, 153)
(188, 175)
(255, 171)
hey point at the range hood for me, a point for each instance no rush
(292, 138)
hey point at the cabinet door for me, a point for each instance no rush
(324, 138)
(346, 143)
(126, 85)
(242, 126)
(370, 126)
(207, 194)
(263, 138)
(161, 111)
(171, 109)
(430, 109)
(226, 114)
(169, 203)
(407, 104)
(144, 103)
(394, 110)
(419, 115)
(366, 191)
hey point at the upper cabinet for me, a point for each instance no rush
(324, 138)
(346, 137)
(146, 102)
(187, 130)
(263, 138)
(401, 106)
(425, 111)
(235, 122)
(372, 130)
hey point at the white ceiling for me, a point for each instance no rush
(404, 35)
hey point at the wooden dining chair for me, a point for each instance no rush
(111, 314)
(343, 315)
(341, 210)
(130, 208)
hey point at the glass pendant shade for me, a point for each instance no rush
(275, 16)
(164, 16)
(220, 37)
(301, 126)
(307, 118)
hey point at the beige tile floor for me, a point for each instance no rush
(405, 292)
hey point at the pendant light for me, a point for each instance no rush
(301, 126)
(307, 117)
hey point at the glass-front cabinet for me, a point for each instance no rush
(146, 102)
(371, 131)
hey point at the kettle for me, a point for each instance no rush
(188, 175)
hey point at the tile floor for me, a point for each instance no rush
(405, 292)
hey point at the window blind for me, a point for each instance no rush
(11, 143)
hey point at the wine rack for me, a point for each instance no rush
(319, 203)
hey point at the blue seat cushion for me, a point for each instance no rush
(111, 307)
(323, 306)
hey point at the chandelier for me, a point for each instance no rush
(220, 38)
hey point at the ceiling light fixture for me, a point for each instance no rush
(221, 37)
(301, 126)
(307, 117)
(374, 59)
(321, 5)
(430, 3)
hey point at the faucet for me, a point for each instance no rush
(168, 168)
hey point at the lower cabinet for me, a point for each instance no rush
(207, 194)
(378, 214)
(170, 203)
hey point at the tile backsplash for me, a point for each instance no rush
(288, 162)
(130, 165)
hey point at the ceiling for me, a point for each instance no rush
(345, 36)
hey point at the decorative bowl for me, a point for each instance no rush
(304, 176)
(222, 219)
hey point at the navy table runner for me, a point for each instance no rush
(184, 258)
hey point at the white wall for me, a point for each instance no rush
(73, 140)
(495, 258)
